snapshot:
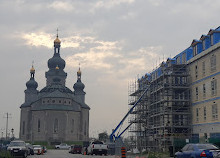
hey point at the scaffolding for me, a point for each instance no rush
(162, 117)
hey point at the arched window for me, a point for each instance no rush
(55, 129)
(81, 122)
(72, 129)
(23, 131)
(213, 63)
(38, 125)
(85, 128)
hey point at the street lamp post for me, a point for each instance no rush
(12, 133)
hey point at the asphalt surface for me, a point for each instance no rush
(65, 154)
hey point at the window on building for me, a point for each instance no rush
(204, 91)
(214, 87)
(23, 130)
(53, 101)
(204, 110)
(196, 71)
(72, 126)
(181, 120)
(81, 124)
(38, 125)
(178, 60)
(184, 58)
(190, 94)
(85, 128)
(197, 93)
(195, 50)
(205, 135)
(55, 129)
(214, 112)
(203, 44)
(197, 114)
(212, 39)
(203, 68)
(213, 63)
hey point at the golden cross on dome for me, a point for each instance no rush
(79, 66)
(57, 32)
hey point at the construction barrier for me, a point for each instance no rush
(123, 152)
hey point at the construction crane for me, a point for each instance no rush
(114, 137)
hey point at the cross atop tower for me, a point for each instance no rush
(57, 32)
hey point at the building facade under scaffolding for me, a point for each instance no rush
(183, 98)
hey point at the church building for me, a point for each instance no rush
(54, 114)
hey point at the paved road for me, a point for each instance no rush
(65, 154)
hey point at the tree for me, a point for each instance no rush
(103, 136)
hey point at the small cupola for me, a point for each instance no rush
(32, 84)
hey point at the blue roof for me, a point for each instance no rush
(188, 51)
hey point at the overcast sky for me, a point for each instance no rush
(113, 40)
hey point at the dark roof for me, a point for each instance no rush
(57, 94)
(56, 90)
(53, 87)
(85, 106)
(25, 105)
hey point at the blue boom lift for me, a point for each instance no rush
(114, 137)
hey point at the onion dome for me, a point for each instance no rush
(56, 61)
(57, 40)
(78, 86)
(32, 84)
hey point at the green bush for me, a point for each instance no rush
(5, 154)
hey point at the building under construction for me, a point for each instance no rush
(163, 115)
(180, 99)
